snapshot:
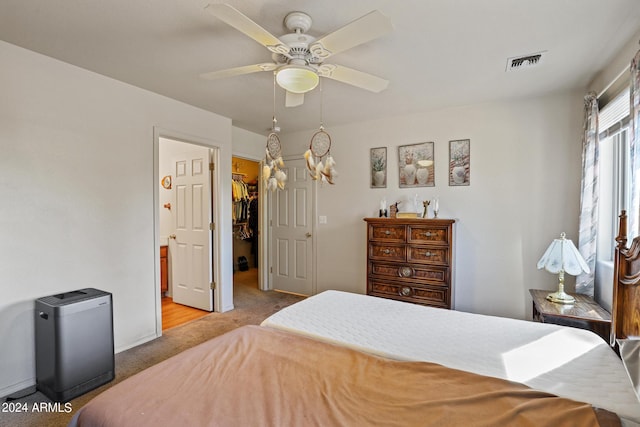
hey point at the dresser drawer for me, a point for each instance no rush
(390, 252)
(433, 296)
(434, 275)
(388, 232)
(428, 255)
(430, 235)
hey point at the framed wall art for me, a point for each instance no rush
(459, 162)
(378, 159)
(415, 165)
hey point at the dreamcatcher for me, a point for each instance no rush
(319, 150)
(272, 173)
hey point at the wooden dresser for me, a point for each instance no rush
(410, 260)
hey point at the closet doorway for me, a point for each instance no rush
(246, 222)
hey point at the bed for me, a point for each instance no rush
(346, 359)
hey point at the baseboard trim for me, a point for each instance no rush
(22, 388)
(136, 343)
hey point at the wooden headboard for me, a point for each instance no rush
(625, 316)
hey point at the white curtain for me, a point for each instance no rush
(589, 196)
(634, 144)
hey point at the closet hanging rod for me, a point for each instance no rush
(238, 175)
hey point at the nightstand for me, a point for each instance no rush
(585, 313)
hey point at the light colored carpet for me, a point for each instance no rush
(252, 306)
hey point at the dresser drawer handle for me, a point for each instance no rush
(387, 251)
(427, 234)
(429, 254)
(405, 271)
(405, 291)
(387, 232)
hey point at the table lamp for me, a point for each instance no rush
(561, 257)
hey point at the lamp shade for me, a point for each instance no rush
(297, 78)
(562, 255)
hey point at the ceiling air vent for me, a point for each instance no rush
(522, 62)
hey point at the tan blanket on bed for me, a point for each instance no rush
(257, 376)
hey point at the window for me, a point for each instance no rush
(614, 172)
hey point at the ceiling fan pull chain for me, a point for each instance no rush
(274, 103)
(321, 106)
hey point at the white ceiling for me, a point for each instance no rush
(441, 52)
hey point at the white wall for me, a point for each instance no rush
(525, 181)
(248, 145)
(77, 184)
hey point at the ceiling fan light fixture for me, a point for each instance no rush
(297, 79)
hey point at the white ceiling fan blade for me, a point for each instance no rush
(353, 77)
(244, 24)
(238, 71)
(294, 99)
(368, 27)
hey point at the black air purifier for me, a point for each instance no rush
(74, 343)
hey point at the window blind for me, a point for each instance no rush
(615, 115)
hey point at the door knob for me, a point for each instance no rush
(172, 236)
(308, 234)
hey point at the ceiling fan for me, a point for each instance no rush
(298, 58)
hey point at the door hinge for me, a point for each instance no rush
(270, 269)
(213, 286)
(212, 166)
(212, 226)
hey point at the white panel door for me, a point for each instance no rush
(192, 268)
(291, 219)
